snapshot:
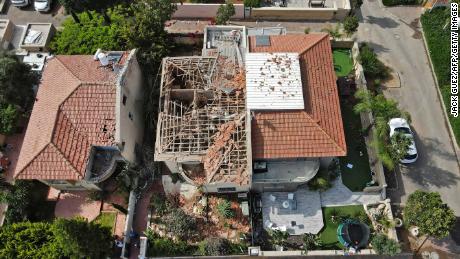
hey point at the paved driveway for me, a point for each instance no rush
(395, 35)
(22, 16)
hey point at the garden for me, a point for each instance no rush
(438, 40)
(355, 169)
(200, 225)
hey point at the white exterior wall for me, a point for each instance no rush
(130, 131)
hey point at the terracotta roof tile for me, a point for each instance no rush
(74, 109)
(316, 131)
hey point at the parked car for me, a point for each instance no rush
(20, 3)
(400, 125)
(42, 5)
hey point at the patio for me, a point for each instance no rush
(72, 204)
(297, 214)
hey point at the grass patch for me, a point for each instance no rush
(343, 63)
(106, 219)
(438, 40)
(329, 233)
(357, 177)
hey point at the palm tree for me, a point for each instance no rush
(334, 32)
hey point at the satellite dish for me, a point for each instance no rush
(103, 59)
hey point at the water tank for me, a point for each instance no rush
(103, 59)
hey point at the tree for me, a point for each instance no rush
(78, 238)
(28, 240)
(427, 211)
(8, 115)
(333, 32)
(18, 199)
(214, 246)
(385, 246)
(161, 246)
(372, 66)
(180, 224)
(4, 184)
(350, 24)
(90, 34)
(145, 31)
(311, 241)
(224, 13)
(356, 5)
(252, 3)
(71, 7)
(16, 81)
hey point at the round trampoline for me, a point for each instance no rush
(353, 234)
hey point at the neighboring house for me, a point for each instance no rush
(259, 112)
(87, 117)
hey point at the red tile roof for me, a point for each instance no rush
(316, 131)
(74, 109)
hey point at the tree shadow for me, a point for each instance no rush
(383, 22)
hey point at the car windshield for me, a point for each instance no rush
(403, 130)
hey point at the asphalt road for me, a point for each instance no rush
(395, 35)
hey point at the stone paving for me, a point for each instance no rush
(340, 195)
(76, 203)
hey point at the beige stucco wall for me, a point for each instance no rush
(130, 131)
(285, 13)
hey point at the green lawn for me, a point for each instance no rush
(357, 177)
(328, 234)
(343, 63)
(106, 219)
(438, 41)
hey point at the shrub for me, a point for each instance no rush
(385, 246)
(350, 24)
(306, 30)
(278, 237)
(214, 246)
(180, 224)
(224, 208)
(361, 216)
(373, 67)
(160, 246)
(319, 183)
(252, 3)
(97, 195)
(427, 211)
(159, 204)
(8, 115)
(311, 241)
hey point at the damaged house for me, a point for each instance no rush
(87, 117)
(259, 112)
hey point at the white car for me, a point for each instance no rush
(20, 3)
(400, 125)
(42, 5)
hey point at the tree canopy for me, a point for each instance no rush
(78, 238)
(427, 211)
(68, 238)
(16, 81)
(8, 116)
(90, 34)
(385, 246)
(224, 13)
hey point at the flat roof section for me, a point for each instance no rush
(273, 81)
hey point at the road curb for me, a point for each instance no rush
(438, 90)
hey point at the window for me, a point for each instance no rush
(124, 99)
(226, 189)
